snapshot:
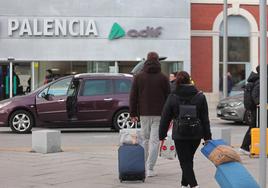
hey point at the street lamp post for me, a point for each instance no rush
(263, 91)
(10, 60)
(225, 49)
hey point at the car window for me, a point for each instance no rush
(97, 87)
(59, 88)
(122, 86)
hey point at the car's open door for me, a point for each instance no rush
(51, 102)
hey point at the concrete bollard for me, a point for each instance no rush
(221, 133)
(46, 141)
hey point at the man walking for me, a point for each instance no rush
(149, 92)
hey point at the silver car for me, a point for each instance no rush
(233, 109)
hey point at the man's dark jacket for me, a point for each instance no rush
(149, 91)
(171, 111)
(255, 79)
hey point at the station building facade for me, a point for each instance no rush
(71, 37)
(79, 36)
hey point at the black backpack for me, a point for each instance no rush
(248, 100)
(188, 122)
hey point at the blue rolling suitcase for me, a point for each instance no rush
(234, 175)
(131, 162)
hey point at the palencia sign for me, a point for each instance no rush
(52, 27)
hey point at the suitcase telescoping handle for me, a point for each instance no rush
(257, 116)
(258, 112)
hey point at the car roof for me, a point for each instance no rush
(88, 75)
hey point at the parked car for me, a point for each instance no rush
(137, 69)
(238, 88)
(88, 99)
(233, 109)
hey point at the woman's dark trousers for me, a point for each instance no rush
(186, 150)
(247, 138)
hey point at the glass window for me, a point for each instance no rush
(238, 49)
(99, 66)
(122, 86)
(97, 87)
(59, 88)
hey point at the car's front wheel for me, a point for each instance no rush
(122, 120)
(21, 121)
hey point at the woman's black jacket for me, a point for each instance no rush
(171, 111)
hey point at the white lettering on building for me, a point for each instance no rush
(61, 27)
(36, 32)
(25, 28)
(13, 25)
(52, 27)
(91, 28)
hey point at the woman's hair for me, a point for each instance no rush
(182, 77)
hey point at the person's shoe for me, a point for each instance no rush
(243, 151)
(151, 173)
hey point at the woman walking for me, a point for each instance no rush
(188, 109)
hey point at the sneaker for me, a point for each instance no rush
(151, 173)
(243, 151)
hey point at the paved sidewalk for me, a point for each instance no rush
(95, 165)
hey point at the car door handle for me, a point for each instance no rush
(61, 100)
(108, 99)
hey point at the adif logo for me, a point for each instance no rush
(118, 32)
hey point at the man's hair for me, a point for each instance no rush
(152, 56)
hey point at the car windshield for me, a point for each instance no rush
(239, 86)
(138, 67)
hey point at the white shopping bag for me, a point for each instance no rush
(167, 146)
(130, 136)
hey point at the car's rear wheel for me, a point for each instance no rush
(122, 120)
(21, 121)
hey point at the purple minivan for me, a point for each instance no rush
(82, 100)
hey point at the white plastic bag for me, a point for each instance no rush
(167, 147)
